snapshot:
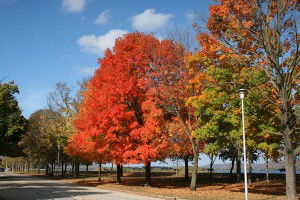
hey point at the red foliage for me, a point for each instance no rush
(121, 117)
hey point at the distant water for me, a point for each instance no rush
(255, 171)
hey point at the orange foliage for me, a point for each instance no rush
(122, 117)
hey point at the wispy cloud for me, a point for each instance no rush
(191, 15)
(33, 100)
(87, 71)
(103, 18)
(97, 44)
(73, 6)
(150, 21)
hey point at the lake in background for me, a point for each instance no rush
(255, 171)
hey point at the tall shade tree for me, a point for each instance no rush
(170, 79)
(121, 111)
(39, 142)
(264, 34)
(12, 122)
(215, 82)
(65, 101)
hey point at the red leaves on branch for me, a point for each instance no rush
(121, 117)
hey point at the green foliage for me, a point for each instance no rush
(12, 123)
(218, 107)
(40, 143)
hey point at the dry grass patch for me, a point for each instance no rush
(176, 187)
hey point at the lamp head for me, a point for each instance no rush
(242, 93)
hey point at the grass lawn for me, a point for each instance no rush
(166, 184)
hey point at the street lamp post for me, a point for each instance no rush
(242, 93)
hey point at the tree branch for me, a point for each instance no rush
(297, 151)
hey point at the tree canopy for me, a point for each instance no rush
(12, 122)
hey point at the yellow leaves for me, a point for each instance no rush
(202, 98)
(192, 101)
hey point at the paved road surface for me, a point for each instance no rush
(23, 187)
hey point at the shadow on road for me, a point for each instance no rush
(33, 188)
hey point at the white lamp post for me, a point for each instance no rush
(242, 93)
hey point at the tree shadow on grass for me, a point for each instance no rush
(274, 187)
(219, 182)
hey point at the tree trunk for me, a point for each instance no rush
(290, 170)
(267, 169)
(118, 174)
(76, 168)
(195, 172)
(112, 167)
(47, 168)
(65, 171)
(177, 167)
(238, 165)
(211, 167)
(72, 168)
(62, 169)
(232, 165)
(250, 168)
(186, 168)
(28, 166)
(39, 166)
(87, 168)
(148, 174)
(122, 171)
(52, 169)
(99, 173)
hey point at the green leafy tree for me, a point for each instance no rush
(12, 122)
(39, 142)
(216, 81)
(265, 34)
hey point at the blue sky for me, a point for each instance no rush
(43, 42)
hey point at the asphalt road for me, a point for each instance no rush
(23, 187)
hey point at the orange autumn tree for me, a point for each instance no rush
(82, 147)
(171, 80)
(103, 119)
(264, 34)
(121, 111)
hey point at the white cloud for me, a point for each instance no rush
(97, 44)
(73, 6)
(103, 18)
(191, 15)
(150, 21)
(87, 71)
